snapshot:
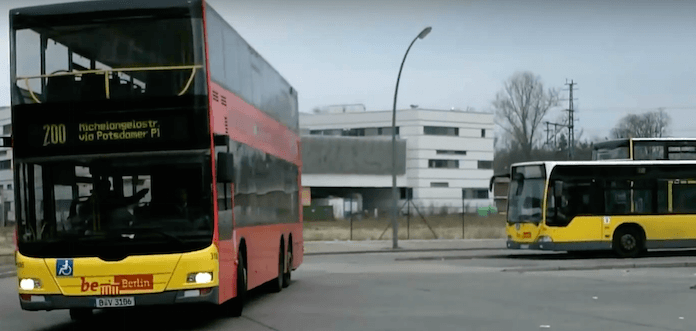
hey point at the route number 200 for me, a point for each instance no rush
(54, 134)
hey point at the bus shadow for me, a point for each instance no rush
(593, 255)
(164, 318)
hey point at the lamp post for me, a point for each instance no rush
(395, 193)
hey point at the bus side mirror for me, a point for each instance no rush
(558, 190)
(225, 167)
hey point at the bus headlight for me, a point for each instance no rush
(29, 284)
(545, 239)
(200, 277)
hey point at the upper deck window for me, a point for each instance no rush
(92, 57)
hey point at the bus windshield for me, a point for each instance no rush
(114, 207)
(65, 59)
(526, 194)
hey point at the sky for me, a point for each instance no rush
(625, 56)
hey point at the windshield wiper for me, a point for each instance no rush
(131, 232)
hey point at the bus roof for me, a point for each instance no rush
(551, 164)
(100, 6)
(624, 142)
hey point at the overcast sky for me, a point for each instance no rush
(626, 56)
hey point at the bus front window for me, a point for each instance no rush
(129, 206)
(526, 195)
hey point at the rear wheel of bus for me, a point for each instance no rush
(287, 276)
(276, 285)
(628, 241)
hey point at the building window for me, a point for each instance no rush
(450, 164)
(445, 152)
(475, 193)
(6, 164)
(439, 184)
(9, 186)
(440, 131)
(3, 152)
(7, 129)
(483, 133)
(485, 164)
(354, 132)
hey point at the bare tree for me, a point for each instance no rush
(647, 125)
(521, 106)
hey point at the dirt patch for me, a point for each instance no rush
(444, 227)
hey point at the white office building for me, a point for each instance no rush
(449, 154)
(6, 184)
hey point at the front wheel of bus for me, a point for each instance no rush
(80, 314)
(628, 242)
(237, 304)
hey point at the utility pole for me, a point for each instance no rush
(551, 140)
(571, 121)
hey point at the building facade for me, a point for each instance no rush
(6, 176)
(449, 154)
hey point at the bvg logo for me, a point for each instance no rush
(121, 283)
(527, 235)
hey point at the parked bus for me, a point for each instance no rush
(624, 206)
(645, 149)
(156, 158)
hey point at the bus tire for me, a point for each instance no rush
(237, 304)
(287, 276)
(276, 285)
(628, 242)
(80, 314)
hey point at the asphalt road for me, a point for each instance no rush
(430, 291)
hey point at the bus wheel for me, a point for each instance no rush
(80, 314)
(628, 242)
(237, 304)
(277, 284)
(287, 277)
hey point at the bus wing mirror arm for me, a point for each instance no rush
(558, 190)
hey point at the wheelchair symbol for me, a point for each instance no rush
(64, 267)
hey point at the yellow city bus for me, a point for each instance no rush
(625, 206)
(645, 149)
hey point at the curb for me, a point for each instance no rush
(402, 250)
(8, 274)
(606, 267)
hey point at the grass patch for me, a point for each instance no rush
(445, 227)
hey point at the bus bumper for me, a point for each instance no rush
(551, 246)
(57, 301)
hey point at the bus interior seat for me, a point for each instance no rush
(61, 89)
(93, 87)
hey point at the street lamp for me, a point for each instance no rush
(395, 193)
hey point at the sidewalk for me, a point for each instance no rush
(385, 246)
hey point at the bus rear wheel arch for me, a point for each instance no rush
(628, 241)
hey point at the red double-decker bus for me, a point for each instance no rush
(156, 158)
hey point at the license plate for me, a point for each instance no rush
(115, 302)
(524, 246)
